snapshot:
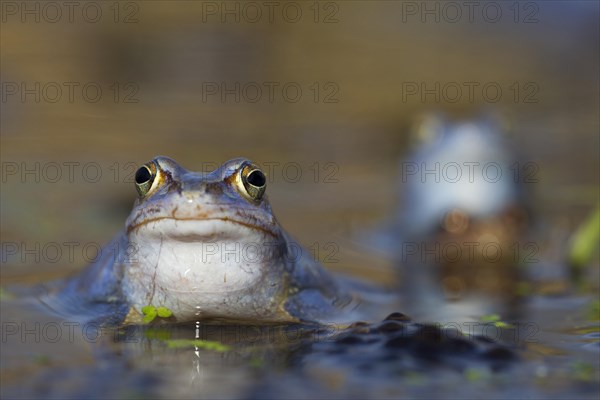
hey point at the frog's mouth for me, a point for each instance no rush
(197, 228)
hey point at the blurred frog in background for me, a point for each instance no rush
(463, 218)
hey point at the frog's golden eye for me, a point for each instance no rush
(254, 182)
(144, 177)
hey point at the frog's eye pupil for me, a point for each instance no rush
(257, 178)
(254, 182)
(142, 175)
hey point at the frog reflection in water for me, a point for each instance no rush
(207, 246)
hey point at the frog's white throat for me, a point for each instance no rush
(205, 264)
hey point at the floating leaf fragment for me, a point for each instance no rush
(203, 344)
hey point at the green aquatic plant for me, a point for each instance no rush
(495, 320)
(256, 362)
(151, 312)
(523, 289)
(476, 374)
(582, 371)
(41, 359)
(164, 335)
(594, 311)
(157, 334)
(584, 245)
(203, 344)
(4, 295)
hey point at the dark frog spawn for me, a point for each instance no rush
(206, 246)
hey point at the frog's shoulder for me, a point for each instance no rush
(102, 278)
(94, 294)
(318, 295)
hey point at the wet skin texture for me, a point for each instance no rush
(207, 247)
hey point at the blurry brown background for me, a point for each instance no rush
(362, 54)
